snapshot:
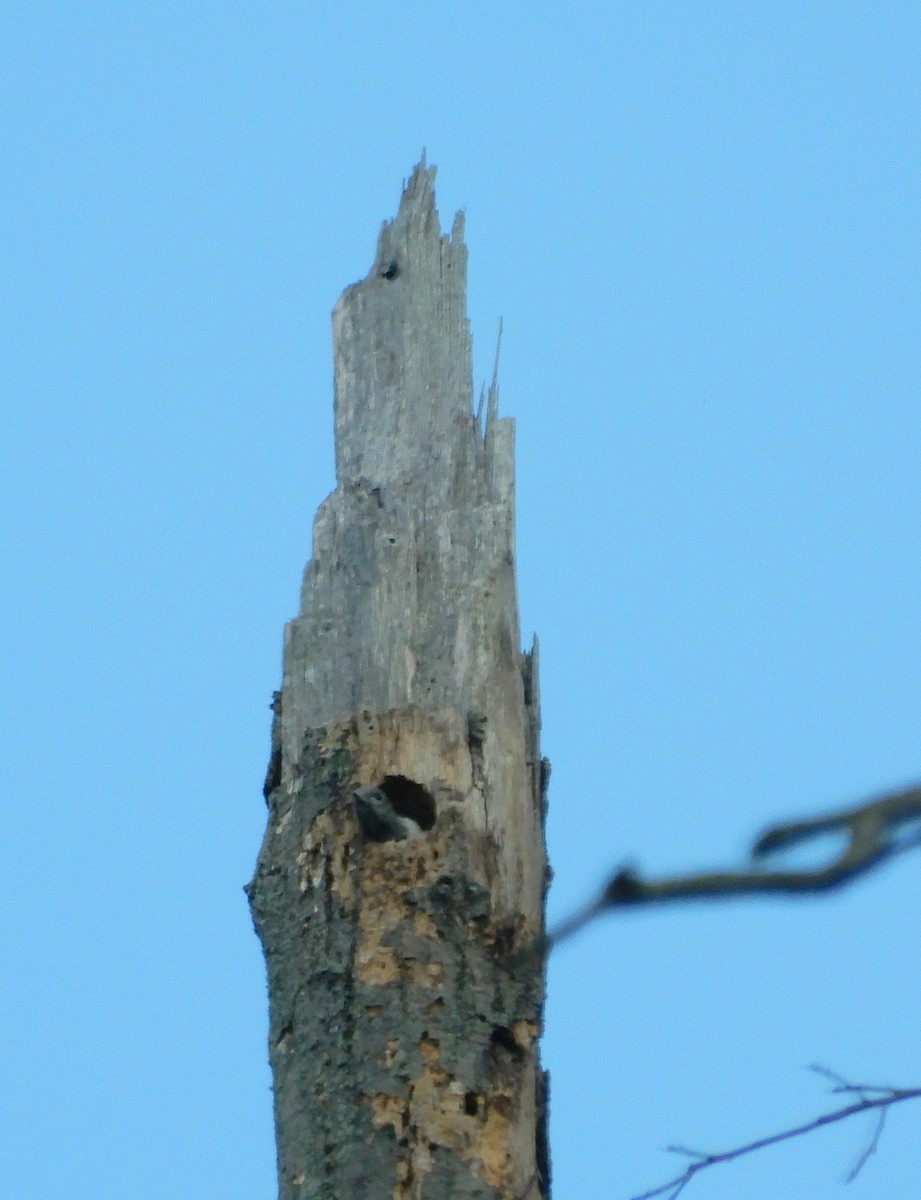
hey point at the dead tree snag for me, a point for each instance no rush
(405, 973)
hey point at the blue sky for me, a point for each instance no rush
(699, 223)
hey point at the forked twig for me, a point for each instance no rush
(881, 1104)
(874, 830)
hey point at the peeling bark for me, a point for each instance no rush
(406, 977)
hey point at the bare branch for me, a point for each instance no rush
(844, 1086)
(870, 1148)
(841, 1084)
(881, 1104)
(876, 831)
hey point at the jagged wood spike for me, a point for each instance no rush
(406, 976)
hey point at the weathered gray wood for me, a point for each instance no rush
(406, 977)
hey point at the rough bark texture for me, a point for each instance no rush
(406, 977)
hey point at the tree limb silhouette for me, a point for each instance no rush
(881, 1103)
(875, 829)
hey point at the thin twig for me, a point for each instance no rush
(896, 1096)
(863, 1090)
(844, 1086)
(839, 1080)
(869, 1149)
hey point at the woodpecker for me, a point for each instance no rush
(379, 819)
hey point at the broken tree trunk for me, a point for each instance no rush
(406, 975)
